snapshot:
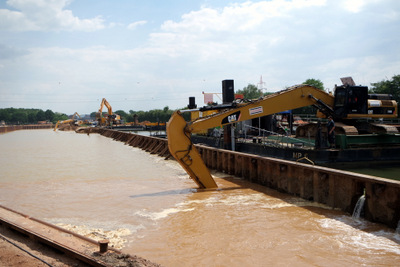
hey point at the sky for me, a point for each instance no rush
(66, 55)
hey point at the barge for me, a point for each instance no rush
(350, 150)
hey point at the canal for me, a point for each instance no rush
(149, 207)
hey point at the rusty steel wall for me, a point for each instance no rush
(334, 188)
(153, 145)
(6, 129)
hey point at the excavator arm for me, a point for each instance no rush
(55, 128)
(110, 116)
(109, 108)
(179, 131)
(103, 103)
(76, 114)
(63, 122)
(183, 150)
(66, 121)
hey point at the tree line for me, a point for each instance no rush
(16, 116)
(29, 116)
(155, 115)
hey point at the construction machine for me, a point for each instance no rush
(110, 119)
(348, 103)
(71, 121)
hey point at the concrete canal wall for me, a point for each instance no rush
(334, 188)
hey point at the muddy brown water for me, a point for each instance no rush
(149, 207)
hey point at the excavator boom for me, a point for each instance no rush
(291, 98)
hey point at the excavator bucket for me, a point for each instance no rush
(183, 150)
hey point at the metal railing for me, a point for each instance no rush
(279, 140)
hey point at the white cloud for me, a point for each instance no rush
(291, 40)
(286, 42)
(238, 17)
(355, 6)
(45, 15)
(134, 25)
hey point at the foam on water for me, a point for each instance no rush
(155, 216)
(352, 234)
(78, 223)
(257, 199)
(116, 237)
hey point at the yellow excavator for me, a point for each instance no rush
(349, 102)
(110, 118)
(71, 121)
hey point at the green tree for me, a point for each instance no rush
(19, 117)
(32, 117)
(59, 117)
(155, 115)
(391, 87)
(316, 83)
(388, 87)
(49, 115)
(40, 115)
(23, 116)
(5, 115)
(310, 110)
(250, 92)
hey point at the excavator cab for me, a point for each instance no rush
(355, 102)
(350, 100)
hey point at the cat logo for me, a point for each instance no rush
(234, 117)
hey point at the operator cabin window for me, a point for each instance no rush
(340, 98)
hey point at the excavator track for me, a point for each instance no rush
(310, 129)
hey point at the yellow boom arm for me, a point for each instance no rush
(63, 122)
(179, 131)
(104, 102)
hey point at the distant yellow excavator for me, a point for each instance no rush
(71, 121)
(349, 102)
(110, 118)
